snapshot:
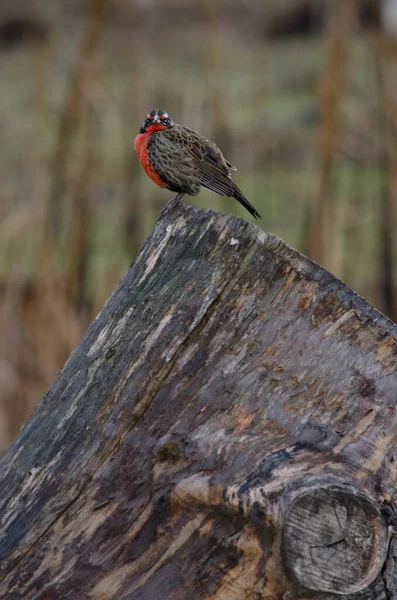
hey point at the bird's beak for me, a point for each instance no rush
(156, 119)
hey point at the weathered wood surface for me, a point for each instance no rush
(226, 430)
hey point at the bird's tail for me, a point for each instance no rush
(237, 193)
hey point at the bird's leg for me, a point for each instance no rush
(171, 205)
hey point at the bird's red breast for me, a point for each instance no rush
(141, 148)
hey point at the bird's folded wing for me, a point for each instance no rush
(214, 178)
(197, 160)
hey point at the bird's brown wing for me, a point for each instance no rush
(201, 157)
(214, 178)
(187, 160)
(213, 169)
(203, 149)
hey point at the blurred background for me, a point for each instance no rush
(301, 95)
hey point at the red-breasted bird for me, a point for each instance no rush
(181, 160)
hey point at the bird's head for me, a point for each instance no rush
(156, 120)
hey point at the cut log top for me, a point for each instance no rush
(227, 429)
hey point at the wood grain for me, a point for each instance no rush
(231, 398)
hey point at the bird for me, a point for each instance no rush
(181, 160)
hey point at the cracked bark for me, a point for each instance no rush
(226, 430)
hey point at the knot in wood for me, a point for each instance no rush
(334, 540)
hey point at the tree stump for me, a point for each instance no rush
(226, 430)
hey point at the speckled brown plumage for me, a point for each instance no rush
(183, 161)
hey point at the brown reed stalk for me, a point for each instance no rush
(72, 111)
(21, 383)
(386, 66)
(77, 241)
(340, 25)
